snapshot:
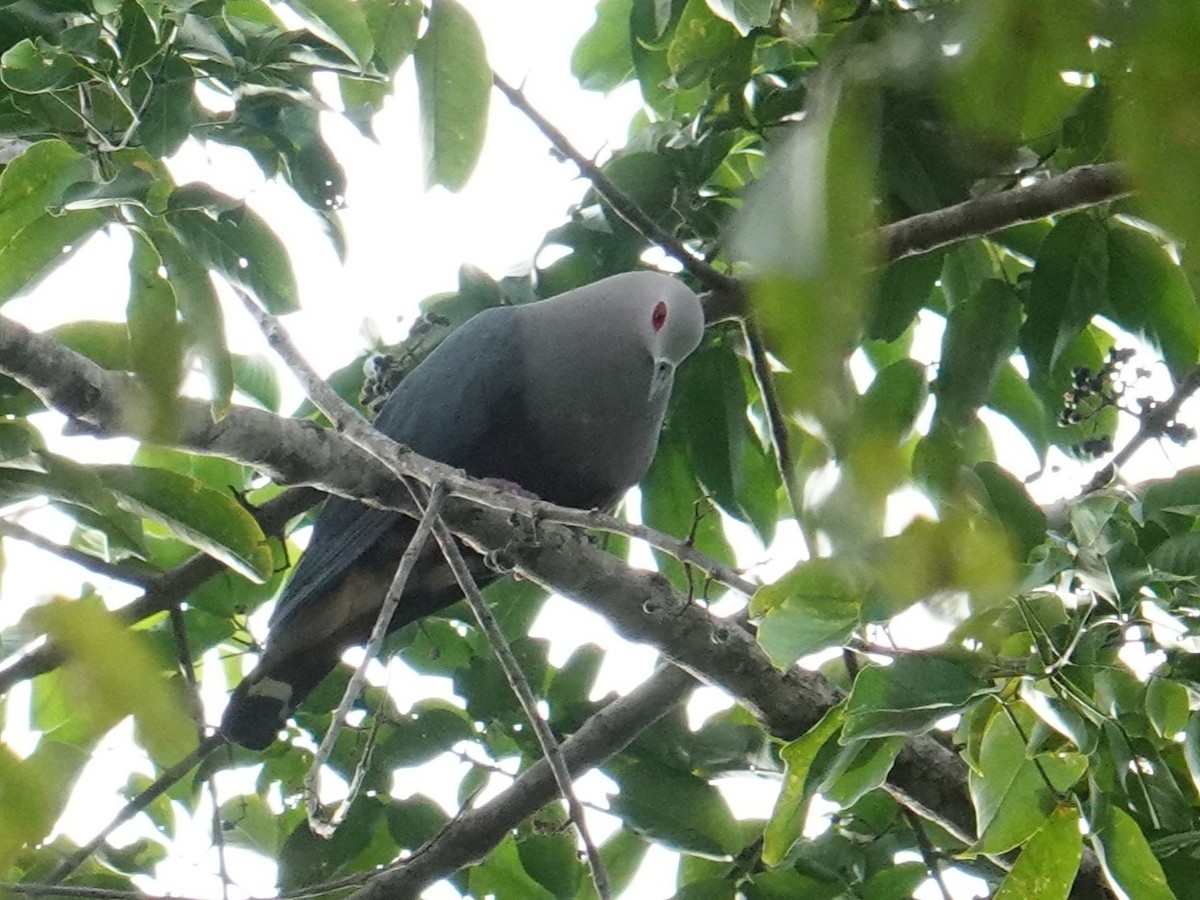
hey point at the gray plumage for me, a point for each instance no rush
(564, 397)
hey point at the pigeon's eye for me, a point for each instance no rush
(658, 318)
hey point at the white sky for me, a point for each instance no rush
(404, 244)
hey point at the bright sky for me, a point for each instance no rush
(404, 244)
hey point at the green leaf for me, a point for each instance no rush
(1046, 868)
(1069, 286)
(1127, 859)
(454, 83)
(552, 861)
(699, 43)
(603, 59)
(858, 768)
(1023, 520)
(908, 697)
(111, 673)
(621, 855)
(786, 824)
(1149, 295)
(502, 875)
(709, 404)
(745, 14)
(171, 111)
(256, 377)
(34, 67)
(981, 333)
(201, 313)
(1031, 44)
(155, 335)
(393, 25)
(674, 808)
(1009, 788)
(1013, 398)
(1059, 715)
(1191, 750)
(27, 812)
(342, 24)
(1178, 554)
(801, 227)
(205, 518)
(812, 607)
(247, 822)
(243, 248)
(1166, 706)
(1151, 120)
(902, 291)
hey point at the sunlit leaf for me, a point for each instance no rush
(454, 83)
(1047, 865)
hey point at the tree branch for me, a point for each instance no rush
(642, 606)
(128, 574)
(622, 205)
(1074, 189)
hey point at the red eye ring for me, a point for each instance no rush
(658, 318)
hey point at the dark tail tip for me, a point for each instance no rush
(252, 722)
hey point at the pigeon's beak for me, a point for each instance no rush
(660, 382)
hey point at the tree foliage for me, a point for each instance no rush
(1013, 181)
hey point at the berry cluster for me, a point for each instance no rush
(1091, 392)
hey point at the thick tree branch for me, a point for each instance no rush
(1074, 189)
(642, 606)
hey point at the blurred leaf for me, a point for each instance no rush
(812, 607)
(553, 862)
(26, 813)
(901, 292)
(699, 42)
(744, 14)
(1023, 520)
(111, 673)
(1046, 868)
(907, 697)
(621, 855)
(602, 59)
(801, 227)
(1152, 121)
(1013, 398)
(342, 24)
(393, 26)
(1032, 44)
(413, 821)
(207, 519)
(247, 822)
(454, 83)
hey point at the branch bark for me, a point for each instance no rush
(642, 606)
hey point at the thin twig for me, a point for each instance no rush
(320, 825)
(524, 693)
(160, 786)
(166, 588)
(621, 203)
(928, 851)
(115, 571)
(1151, 427)
(777, 428)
